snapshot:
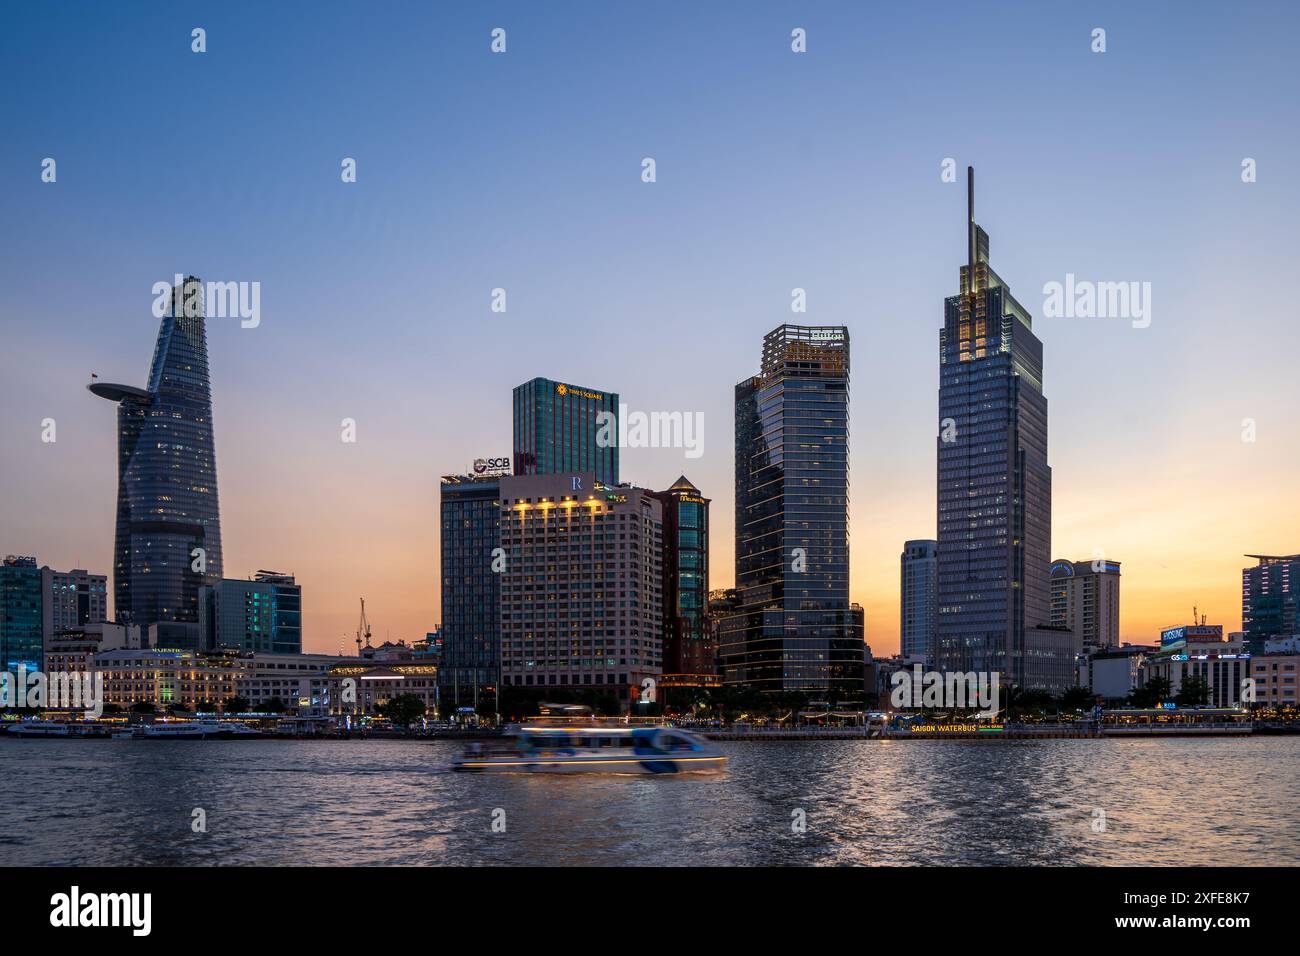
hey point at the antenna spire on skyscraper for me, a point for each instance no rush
(970, 228)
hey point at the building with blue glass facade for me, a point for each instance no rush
(918, 564)
(792, 630)
(262, 615)
(1270, 599)
(557, 430)
(21, 637)
(470, 514)
(994, 486)
(168, 537)
(688, 646)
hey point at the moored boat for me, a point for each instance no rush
(199, 730)
(595, 749)
(40, 728)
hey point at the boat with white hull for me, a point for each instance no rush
(199, 730)
(545, 749)
(40, 728)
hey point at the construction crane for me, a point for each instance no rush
(363, 628)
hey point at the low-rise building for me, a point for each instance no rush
(1275, 680)
(168, 677)
(1199, 650)
(1115, 672)
(74, 650)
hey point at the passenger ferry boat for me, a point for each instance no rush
(40, 728)
(578, 749)
(199, 730)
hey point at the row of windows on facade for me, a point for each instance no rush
(527, 680)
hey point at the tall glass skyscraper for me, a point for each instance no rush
(556, 430)
(793, 629)
(470, 509)
(917, 567)
(994, 485)
(168, 541)
(1270, 599)
(688, 640)
(21, 603)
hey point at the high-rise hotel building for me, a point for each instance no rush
(994, 485)
(557, 430)
(689, 650)
(581, 586)
(168, 541)
(1085, 599)
(918, 565)
(793, 629)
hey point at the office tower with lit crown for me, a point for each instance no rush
(470, 513)
(581, 587)
(1085, 599)
(792, 630)
(916, 625)
(168, 540)
(1269, 599)
(688, 647)
(558, 430)
(994, 485)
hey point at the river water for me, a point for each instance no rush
(973, 802)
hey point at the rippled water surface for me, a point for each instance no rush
(979, 802)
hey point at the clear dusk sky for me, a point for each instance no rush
(775, 170)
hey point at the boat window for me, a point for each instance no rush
(626, 741)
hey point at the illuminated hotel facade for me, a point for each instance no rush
(994, 486)
(557, 430)
(582, 585)
(792, 630)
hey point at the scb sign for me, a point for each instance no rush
(487, 466)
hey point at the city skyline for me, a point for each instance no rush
(1148, 457)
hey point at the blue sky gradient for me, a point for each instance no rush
(775, 171)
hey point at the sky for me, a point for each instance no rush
(775, 170)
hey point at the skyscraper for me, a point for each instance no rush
(1085, 598)
(793, 629)
(21, 643)
(994, 484)
(471, 589)
(688, 640)
(1270, 599)
(168, 541)
(916, 624)
(72, 599)
(557, 430)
